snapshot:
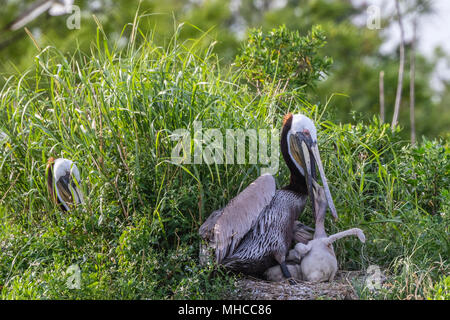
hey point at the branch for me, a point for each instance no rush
(398, 96)
(412, 75)
(381, 85)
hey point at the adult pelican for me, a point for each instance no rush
(254, 231)
(63, 181)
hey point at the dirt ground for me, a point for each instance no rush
(339, 289)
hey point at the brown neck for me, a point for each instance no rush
(50, 185)
(297, 181)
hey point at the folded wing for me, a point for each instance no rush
(225, 228)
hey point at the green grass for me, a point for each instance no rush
(113, 113)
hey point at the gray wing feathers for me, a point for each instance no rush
(241, 214)
(206, 230)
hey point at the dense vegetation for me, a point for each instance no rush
(114, 113)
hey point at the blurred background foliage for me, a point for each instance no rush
(352, 80)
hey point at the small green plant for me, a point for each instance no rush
(283, 58)
(441, 291)
(428, 172)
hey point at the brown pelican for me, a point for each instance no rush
(255, 229)
(63, 181)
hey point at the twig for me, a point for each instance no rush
(10, 187)
(398, 96)
(125, 212)
(33, 39)
(382, 95)
(412, 75)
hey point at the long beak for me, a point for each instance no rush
(303, 150)
(307, 167)
(299, 146)
(69, 191)
(315, 152)
(76, 192)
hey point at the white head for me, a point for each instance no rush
(301, 123)
(64, 180)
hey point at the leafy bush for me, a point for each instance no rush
(113, 113)
(283, 58)
(441, 289)
(374, 188)
(428, 168)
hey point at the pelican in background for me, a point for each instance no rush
(254, 231)
(54, 8)
(63, 181)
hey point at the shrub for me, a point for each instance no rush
(283, 58)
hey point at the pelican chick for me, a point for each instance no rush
(318, 260)
(275, 273)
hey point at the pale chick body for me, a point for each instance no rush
(316, 260)
(274, 273)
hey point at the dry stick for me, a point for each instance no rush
(32, 39)
(10, 187)
(398, 96)
(412, 75)
(382, 96)
(100, 136)
(119, 197)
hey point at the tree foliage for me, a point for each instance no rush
(292, 60)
